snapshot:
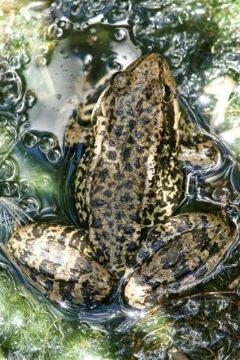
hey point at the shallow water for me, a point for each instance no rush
(51, 56)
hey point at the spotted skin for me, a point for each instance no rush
(176, 255)
(127, 186)
(131, 178)
(58, 259)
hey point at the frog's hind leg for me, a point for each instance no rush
(56, 260)
(178, 255)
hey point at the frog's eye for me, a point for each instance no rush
(119, 80)
(166, 93)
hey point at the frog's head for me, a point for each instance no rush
(151, 73)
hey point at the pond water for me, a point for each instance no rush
(51, 55)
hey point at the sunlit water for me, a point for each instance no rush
(72, 45)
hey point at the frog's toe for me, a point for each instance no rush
(137, 294)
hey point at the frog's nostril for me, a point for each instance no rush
(166, 93)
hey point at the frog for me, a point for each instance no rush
(128, 185)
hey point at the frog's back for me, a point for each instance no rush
(132, 129)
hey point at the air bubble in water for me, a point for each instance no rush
(30, 204)
(30, 139)
(55, 31)
(7, 170)
(47, 143)
(25, 188)
(30, 99)
(120, 34)
(221, 194)
(10, 85)
(54, 155)
(8, 136)
(41, 60)
(9, 189)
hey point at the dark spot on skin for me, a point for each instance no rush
(65, 289)
(179, 273)
(112, 155)
(132, 124)
(139, 135)
(130, 140)
(121, 239)
(108, 193)
(119, 112)
(125, 198)
(137, 163)
(128, 167)
(118, 176)
(119, 215)
(97, 203)
(126, 153)
(37, 230)
(103, 174)
(47, 268)
(157, 244)
(145, 121)
(128, 185)
(166, 93)
(140, 149)
(48, 284)
(118, 130)
(132, 246)
(96, 223)
(128, 230)
(143, 255)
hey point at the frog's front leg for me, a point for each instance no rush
(79, 126)
(178, 255)
(56, 260)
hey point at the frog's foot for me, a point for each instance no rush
(57, 261)
(178, 255)
(200, 154)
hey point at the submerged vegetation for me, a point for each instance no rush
(50, 53)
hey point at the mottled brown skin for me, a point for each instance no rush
(127, 186)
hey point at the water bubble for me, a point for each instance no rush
(47, 143)
(3, 121)
(120, 34)
(25, 188)
(30, 99)
(8, 136)
(41, 60)
(88, 59)
(10, 85)
(30, 204)
(7, 170)
(9, 189)
(55, 31)
(54, 155)
(30, 139)
(221, 194)
(15, 62)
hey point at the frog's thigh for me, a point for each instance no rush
(57, 261)
(187, 248)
